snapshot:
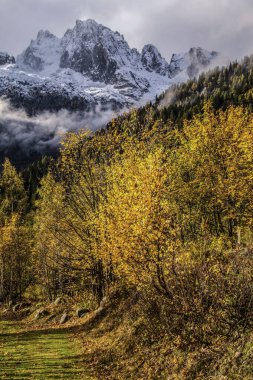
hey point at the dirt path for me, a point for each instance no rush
(38, 354)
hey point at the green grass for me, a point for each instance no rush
(38, 354)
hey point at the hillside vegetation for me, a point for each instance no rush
(223, 87)
(157, 215)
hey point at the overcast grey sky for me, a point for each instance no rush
(171, 25)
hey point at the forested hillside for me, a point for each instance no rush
(231, 85)
(155, 212)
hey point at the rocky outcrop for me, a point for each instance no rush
(193, 62)
(42, 53)
(5, 58)
(153, 61)
(92, 66)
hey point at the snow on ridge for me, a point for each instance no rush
(93, 62)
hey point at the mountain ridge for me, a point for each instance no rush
(92, 66)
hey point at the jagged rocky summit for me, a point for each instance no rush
(92, 66)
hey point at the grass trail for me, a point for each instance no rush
(38, 354)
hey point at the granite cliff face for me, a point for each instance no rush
(153, 61)
(92, 66)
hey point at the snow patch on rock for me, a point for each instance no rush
(94, 64)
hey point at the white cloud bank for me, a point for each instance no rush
(42, 133)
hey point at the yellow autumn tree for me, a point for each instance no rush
(51, 233)
(66, 229)
(211, 173)
(15, 239)
(12, 194)
(138, 229)
(16, 272)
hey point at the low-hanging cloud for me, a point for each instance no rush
(171, 93)
(23, 136)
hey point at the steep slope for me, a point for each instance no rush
(43, 54)
(223, 87)
(92, 66)
(226, 86)
(153, 61)
(193, 62)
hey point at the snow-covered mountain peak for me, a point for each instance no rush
(89, 32)
(95, 50)
(192, 63)
(87, 23)
(86, 28)
(44, 34)
(43, 54)
(200, 56)
(153, 61)
(92, 65)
